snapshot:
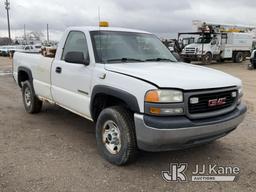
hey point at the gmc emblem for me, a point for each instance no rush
(217, 102)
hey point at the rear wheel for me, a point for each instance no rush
(239, 57)
(31, 103)
(115, 136)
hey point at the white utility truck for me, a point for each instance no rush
(132, 87)
(217, 43)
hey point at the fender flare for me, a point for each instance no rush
(28, 71)
(126, 97)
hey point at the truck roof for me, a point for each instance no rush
(96, 28)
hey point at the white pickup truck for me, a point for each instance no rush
(130, 84)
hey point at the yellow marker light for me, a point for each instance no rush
(103, 24)
(165, 111)
(155, 110)
(152, 97)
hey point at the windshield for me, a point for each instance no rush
(117, 47)
(204, 40)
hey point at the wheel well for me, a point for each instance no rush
(22, 76)
(245, 53)
(209, 52)
(102, 101)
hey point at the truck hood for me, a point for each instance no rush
(176, 75)
(198, 46)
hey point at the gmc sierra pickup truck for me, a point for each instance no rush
(132, 87)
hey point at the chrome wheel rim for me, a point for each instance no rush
(27, 97)
(111, 137)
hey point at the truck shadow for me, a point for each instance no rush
(196, 154)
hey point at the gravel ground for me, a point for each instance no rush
(56, 150)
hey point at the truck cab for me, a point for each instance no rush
(205, 48)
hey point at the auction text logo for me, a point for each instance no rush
(209, 173)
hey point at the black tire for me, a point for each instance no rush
(207, 58)
(31, 103)
(239, 57)
(124, 121)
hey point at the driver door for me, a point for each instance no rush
(71, 81)
(215, 46)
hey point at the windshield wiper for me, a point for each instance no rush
(125, 60)
(160, 59)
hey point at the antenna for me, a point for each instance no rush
(99, 16)
(100, 56)
(25, 35)
(47, 33)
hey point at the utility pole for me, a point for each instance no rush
(47, 30)
(7, 7)
(25, 35)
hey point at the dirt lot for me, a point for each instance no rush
(56, 150)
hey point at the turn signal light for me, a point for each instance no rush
(154, 110)
(166, 111)
(152, 96)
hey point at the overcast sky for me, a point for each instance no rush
(163, 17)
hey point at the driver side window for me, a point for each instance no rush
(214, 41)
(76, 42)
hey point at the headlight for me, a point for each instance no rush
(240, 91)
(240, 95)
(164, 102)
(164, 96)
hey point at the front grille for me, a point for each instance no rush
(203, 102)
(190, 50)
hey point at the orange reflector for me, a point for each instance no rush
(154, 110)
(103, 24)
(152, 96)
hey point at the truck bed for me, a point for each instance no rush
(40, 68)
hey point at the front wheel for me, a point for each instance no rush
(31, 103)
(115, 136)
(207, 58)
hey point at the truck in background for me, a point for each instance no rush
(219, 42)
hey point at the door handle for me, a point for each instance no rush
(58, 70)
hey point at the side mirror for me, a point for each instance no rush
(76, 57)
